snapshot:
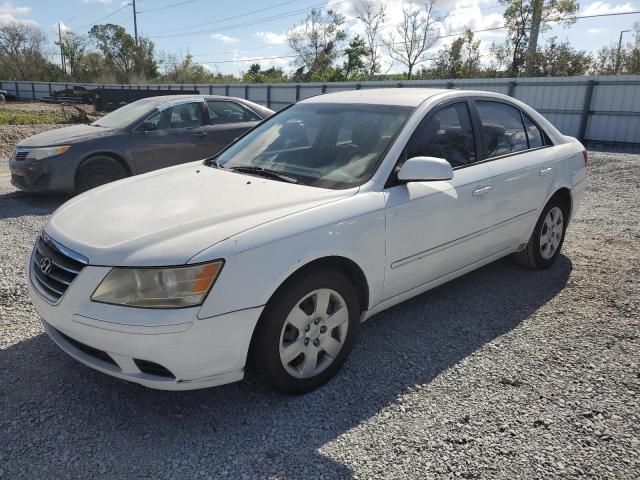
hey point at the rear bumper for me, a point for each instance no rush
(162, 349)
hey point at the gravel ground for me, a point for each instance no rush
(10, 135)
(504, 373)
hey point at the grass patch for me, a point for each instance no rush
(12, 116)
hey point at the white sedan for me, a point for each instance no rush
(271, 254)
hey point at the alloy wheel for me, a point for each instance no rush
(551, 233)
(314, 333)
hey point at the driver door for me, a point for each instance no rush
(176, 136)
(435, 228)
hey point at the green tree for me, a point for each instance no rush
(355, 66)
(185, 70)
(461, 59)
(74, 48)
(518, 20)
(559, 59)
(24, 54)
(129, 62)
(627, 60)
(317, 45)
(255, 74)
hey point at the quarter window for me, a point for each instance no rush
(534, 134)
(448, 134)
(502, 128)
(229, 112)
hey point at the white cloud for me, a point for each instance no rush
(600, 8)
(272, 38)
(104, 2)
(596, 30)
(14, 14)
(224, 38)
(63, 28)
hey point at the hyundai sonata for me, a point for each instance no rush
(272, 253)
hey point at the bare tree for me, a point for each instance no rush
(74, 48)
(414, 35)
(372, 15)
(23, 52)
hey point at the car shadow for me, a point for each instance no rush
(59, 416)
(18, 204)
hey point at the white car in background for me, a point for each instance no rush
(277, 249)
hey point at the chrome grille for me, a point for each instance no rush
(54, 267)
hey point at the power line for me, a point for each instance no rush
(95, 22)
(167, 6)
(227, 18)
(249, 23)
(552, 20)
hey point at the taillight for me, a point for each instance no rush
(585, 155)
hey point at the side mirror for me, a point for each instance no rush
(148, 126)
(422, 169)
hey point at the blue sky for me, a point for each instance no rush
(228, 36)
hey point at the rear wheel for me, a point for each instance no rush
(547, 238)
(97, 171)
(307, 332)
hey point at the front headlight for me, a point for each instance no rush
(40, 153)
(170, 287)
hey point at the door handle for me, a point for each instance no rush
(545, 171)
(481, 191)
(200, 134)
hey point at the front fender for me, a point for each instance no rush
(250, 277)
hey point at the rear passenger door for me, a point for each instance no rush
(227, 120)
(522, 167)
(435, 228)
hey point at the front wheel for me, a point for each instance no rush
(307, 332)
(547, 238)
(97, 171)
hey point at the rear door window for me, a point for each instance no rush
(221, 112)
(502, 128)
(448, 134)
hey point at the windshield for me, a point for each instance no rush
(319, 144)
(125, 115)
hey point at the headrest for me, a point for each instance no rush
(365, 136)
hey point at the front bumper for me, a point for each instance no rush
(54, 174)
(123, 342)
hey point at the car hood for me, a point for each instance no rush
(66, 136)
(168, 216)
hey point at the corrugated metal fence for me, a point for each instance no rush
(602, 109)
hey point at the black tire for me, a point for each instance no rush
(531, 256)
(265, 359)
(97, 171)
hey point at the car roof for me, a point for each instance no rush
(195, 96)
(407, 96)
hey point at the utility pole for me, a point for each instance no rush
(64, 66)
(619, 49)
(135, 21)
(536, 19)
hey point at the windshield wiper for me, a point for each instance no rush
(265, 172)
